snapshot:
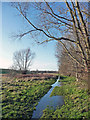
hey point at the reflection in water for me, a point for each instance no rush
(47, 100)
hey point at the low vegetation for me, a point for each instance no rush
(76, 100)
(20, 96)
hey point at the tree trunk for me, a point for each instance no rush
(77, 72)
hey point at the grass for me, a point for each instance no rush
(20, 96)
(76, 101)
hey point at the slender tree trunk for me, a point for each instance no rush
(77, 72)
(88, 73)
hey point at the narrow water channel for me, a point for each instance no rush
(53, 101)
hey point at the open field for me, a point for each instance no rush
(21, 95)
(76, 98)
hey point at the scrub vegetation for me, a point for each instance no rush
(76, 100)
(20, 96)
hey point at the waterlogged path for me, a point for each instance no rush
(47, 100)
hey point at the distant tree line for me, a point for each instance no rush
(67, 66)
(8, 71)
(44, 71)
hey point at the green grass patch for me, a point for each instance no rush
(76, 101)
(20, 97)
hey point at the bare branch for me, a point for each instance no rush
(82, 21)
(23, 34)
(61, 38)
(70, 54)
(85, 13)
(76, 32)
(58, 19)
(56, 14)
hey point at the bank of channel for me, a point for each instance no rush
(46, 100)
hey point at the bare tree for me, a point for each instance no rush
(66, 65)
(56, 19)
(22, 60)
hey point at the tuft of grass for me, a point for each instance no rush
(20, 97)
(76, 101)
